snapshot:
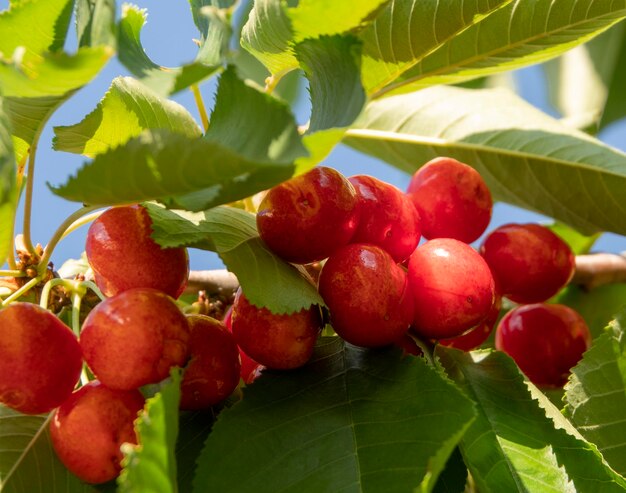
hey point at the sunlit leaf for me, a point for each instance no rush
(95, 22)
(126, 110)
(526, 157)
(267, 280)
(596, 394)
(520, 442)
(8, 185)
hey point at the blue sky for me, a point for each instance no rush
(167, 38)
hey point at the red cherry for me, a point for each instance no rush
(452, 286)
(280, 342)
(213, 371)
(479, 334)
(250, 369)
(530, 263)
(310, 216)
(88, 429)
(546, 341)
(40, 359)
(123, 255)
(134, 338)
(388, 218)
(452, 199)
(367, 294)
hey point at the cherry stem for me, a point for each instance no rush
(12, 273)
(72, 222)
(19, 292)
(92, 285)
(77, 298)
(201, 108)
(272, 81)
(28, 200)
(45, 292)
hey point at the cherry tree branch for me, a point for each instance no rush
(591, 271)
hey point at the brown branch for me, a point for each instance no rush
(598, 269)
(591, 271)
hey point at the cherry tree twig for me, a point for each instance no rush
(591, 271)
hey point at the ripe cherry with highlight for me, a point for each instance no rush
(307, 218)
(123, 255)
(545, 341)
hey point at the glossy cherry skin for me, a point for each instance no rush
(367, 294)
(280, 342)
(452, 287)
(388, 218)
(134, 338)
(307, 218)
(452, 199)
(40, 359)
(474, 337)
(530, 263)
(88, 429)
(123, 255)
(213, 370)
(546, 341)
(250, 369)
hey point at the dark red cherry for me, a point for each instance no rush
(212, 373)
(367, 294)
(546, 341)
(530, 263)
(388, 218)
(277, 341)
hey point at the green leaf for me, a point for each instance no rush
(521, 442)
(579, 243)
(407, 31)
(526, 157)
(267, 280)
(126, 110)
(597, 306)
(163, 165)
(194, 428)
(274, 27)
(351, 420)
(332, 65)
(8, 185)
(521, 33)
(213, 20)
(252, 123)
(582, 80)
(51, 74)
(28, 116)
(163, 80)
(17, 25)
(95, 22)
(27, 461)
(596, 394)
(151, 465)
(454, 477)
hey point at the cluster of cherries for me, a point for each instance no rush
(378, 283)
(381, 285)
(131, 339)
